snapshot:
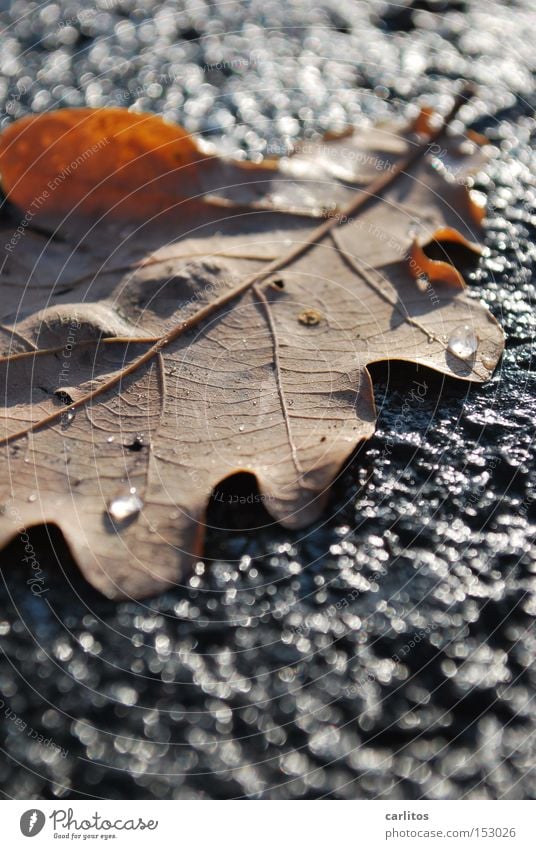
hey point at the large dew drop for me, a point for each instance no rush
(463, 342)
(125, 506)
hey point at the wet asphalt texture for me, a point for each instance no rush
(388, 651)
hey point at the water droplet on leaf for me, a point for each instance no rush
(125, 506)
(137, 443)
(67, 417)
(463, 342)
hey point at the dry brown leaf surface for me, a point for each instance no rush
(170, 318)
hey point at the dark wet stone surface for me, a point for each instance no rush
(389, 650)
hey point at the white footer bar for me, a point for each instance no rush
(270, 825)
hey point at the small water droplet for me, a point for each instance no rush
(32, 497)
(68, 416)
(241, 428)
(137, 443)
(463, 342)
(110, 439)
(125, 506)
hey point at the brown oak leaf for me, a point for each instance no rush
(170, 318)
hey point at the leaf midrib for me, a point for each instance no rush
(371, 194)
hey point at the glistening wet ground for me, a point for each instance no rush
(389, 650)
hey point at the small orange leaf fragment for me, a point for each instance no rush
(439, 270)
